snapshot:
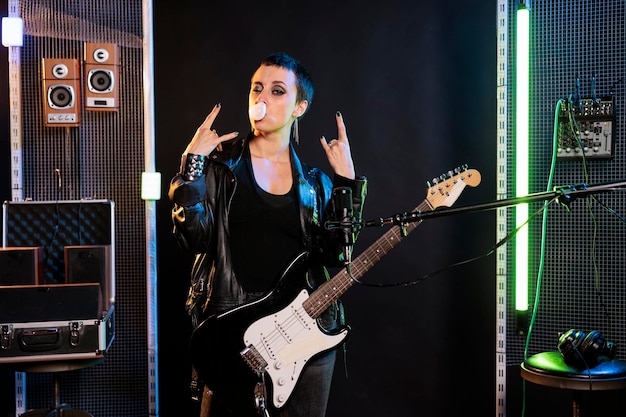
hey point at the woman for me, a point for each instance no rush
(254, 215)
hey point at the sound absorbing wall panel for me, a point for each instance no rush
(583, 279)
(577, 62)
(100, 159)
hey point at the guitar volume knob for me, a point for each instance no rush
(278, 365)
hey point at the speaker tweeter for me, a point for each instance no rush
(61, 92)
(102, 76)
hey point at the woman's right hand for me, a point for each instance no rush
(206, 139)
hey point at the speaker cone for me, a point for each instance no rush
(60, 96)
(100, 81)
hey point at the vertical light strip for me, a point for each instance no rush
(521, 156)
(15, 139)
(151, 231)
(15, 109)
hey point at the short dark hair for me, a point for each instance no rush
(304, 82)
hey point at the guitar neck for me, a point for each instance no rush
(330, 291)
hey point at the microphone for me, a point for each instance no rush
(344, 215)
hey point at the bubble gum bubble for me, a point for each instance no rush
(257, 111)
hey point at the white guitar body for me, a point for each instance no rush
(287, 340)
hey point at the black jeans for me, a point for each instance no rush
(310, 397)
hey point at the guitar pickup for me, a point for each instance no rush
(254, 359)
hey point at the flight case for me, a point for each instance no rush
(69, 313)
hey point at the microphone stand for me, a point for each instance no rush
(564, 194)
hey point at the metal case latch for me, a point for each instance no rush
(6, 331)
(75, 328)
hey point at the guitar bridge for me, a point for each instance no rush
(254, 359)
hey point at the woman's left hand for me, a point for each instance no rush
(338, 151)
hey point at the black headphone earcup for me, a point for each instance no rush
(590, 347)
(595, 346)
(568, 345)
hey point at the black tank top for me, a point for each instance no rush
(264, 231)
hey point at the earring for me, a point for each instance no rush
(295, 133)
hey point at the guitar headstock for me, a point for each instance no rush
(445, 189)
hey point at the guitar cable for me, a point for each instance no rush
(504, 240)
(260, 397)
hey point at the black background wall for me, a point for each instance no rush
(415, 81)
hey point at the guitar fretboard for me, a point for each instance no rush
(444, 193)
(330, 291)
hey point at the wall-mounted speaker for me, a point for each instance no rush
(21, 265)
(90, 264)
(102, 76)
(61, 92)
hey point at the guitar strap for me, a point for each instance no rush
(205, 405)
(195, 385)
(200, 393)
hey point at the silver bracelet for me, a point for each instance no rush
(193, 167)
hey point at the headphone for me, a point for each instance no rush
(583, 350)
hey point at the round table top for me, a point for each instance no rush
(550, 369)
(56, 366)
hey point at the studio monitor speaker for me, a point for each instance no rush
(91, 264)
(102, 76)
(61, 92)
(21, 265)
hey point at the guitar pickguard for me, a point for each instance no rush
(287, 340)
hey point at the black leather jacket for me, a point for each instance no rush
(200, 218)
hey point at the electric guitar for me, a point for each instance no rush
(234, 351)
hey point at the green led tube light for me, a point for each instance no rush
(521, 158)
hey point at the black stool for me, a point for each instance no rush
(58, 409)
(549, 369)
